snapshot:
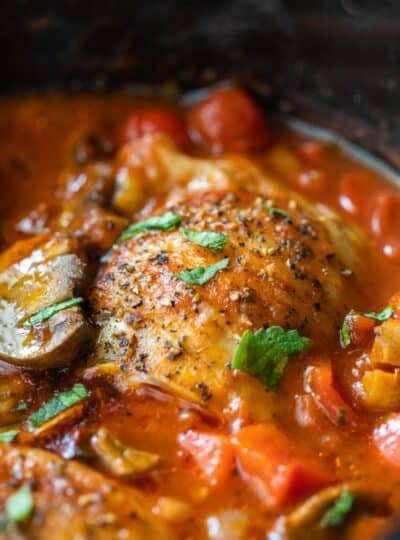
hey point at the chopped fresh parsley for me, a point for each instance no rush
(384, 315)
(57, 404)
(278, 212)
(19, 505)
(336, 515)
(202, 274)
(8, 436)
(265, 353)
(208, 239)
(166, 222)
(49, 311)
(345, 336)
(22, 406)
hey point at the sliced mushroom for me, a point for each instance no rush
(304, 522)
(120, 459)
(36, 274)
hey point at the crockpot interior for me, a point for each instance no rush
(334, 62)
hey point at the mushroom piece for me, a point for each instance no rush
(120, 459)
(36, 274)
(304, 522)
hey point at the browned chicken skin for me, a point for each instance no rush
(284, 269)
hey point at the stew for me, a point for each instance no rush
(199, 325)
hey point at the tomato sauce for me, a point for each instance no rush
(325, 432)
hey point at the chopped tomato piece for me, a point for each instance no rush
(214, 454)
(155, 120)
(387, 440)
(320, 384)
(361, 329)
(273, 467)
(229, 121)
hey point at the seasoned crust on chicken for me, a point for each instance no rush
(73, 501)
(285, 268)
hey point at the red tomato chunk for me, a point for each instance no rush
(273, 467)
(229, 121)
(320, 384)
(213, 454)
(155, 120)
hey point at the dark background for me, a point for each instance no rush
(332, 61)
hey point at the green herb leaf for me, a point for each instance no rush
(278, 212)
(202, 274)
(344, 334)
(166, 222)
(336, 515)
(19, 505)
(265, 353)
(22, 406)
(57, 404)
(49, 311)
(8, 436)
(384, 315)
(208, 239)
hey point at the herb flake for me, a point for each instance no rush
(336, 515)
(208, 239)
(8, 436)
(344, 334)
(50, 311)
(265, 353)
(57, 404)
(165, 222)
(22, 406)
(382, 316)
(19, 505)
(202, 274)
(277, 212)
